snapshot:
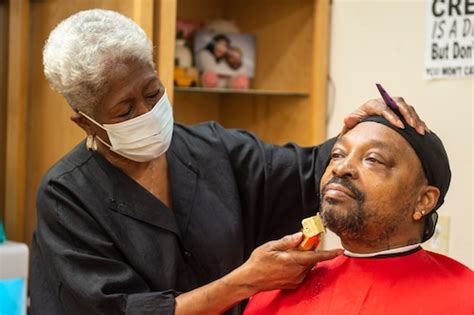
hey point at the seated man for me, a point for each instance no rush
(380, 193)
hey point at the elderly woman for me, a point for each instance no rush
(151, 217)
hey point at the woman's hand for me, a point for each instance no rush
(274, 265)
(278, 265)
(377, 107)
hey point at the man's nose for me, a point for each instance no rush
(345, 168)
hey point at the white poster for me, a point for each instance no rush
(450, 39)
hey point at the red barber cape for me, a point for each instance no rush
(419, 282)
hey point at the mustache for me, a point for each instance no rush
(343, 181)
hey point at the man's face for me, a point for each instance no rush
(371, 185)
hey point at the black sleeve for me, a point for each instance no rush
(74, 255)
(278, 185)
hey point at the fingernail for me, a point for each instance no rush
(400, 124)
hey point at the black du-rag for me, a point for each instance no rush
(434, 160)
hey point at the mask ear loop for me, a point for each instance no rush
(98, 125)
(92, 120)
(104, 143)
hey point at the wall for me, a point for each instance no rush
(384, 41)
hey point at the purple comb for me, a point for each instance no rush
(388, 100)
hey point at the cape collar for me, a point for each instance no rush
(388, 252)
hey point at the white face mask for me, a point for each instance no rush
(144, 137)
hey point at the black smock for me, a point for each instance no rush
(104, 245)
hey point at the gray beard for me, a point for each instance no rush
(352, 224)
(348, 225)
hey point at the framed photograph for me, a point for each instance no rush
(227, 54)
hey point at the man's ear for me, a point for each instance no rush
(427, 199)
(83, 122)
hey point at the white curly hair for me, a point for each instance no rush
(81, 50)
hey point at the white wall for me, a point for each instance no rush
(384, 41)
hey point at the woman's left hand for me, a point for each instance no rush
(377, 107)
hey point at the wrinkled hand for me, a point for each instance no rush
(278, 265)
(377, 107)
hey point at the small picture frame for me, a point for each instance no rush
(227, 54)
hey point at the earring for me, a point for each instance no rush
(91, 143)
(418, 215)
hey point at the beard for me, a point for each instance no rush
(349, 222)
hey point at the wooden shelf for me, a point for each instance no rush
(244, 92)
(288, 101)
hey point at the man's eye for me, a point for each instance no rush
(336, 155)
(374, 160)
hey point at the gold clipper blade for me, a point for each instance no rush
(313, 228)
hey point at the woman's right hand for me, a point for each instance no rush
(279, 265)
(274, 265)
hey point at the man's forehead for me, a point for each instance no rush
(374, 135)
